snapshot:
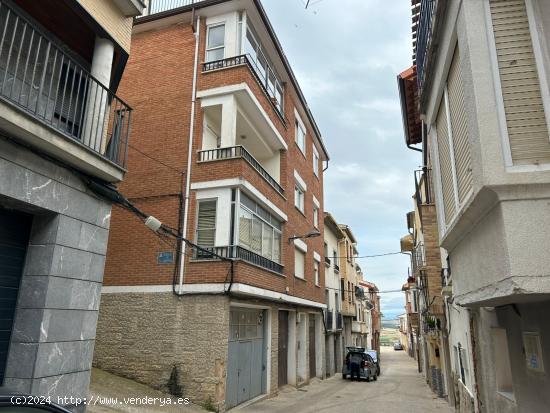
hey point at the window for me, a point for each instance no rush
(316, 272)
(215, 42)
(316, 216)
(263, 68)
(259, 231)
(315, 161)
(299, 198)
(301, 136)
(206, 223)
(299, 263)
(336, 258)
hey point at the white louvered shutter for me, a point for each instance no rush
(206, 225)
(523, 104)
(459, 128)
(445, 163)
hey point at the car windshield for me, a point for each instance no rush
(373, 355)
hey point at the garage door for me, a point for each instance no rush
(246, 366)
(14, 238)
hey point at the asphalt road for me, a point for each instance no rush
(400, 388)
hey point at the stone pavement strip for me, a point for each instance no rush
(400, 388)
(112, 393)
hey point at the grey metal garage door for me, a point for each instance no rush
(14, 238)
(246, 366)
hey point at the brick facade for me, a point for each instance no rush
(160, 129)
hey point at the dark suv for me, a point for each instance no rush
(359, 364)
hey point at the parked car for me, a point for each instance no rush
(358, 364)
(397, 346)
(374, 355)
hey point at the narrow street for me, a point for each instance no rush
(398, 389)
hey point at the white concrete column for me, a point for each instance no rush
(292, 349)
(95, 128)
(229, 121)
(319, 347)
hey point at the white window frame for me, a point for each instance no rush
(207, 49)
(299, 125)
(199, 201)
(300, 189)
(315, 161)
(300, 251)
(316, 275)
(315, 216)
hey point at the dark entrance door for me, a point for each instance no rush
(14, 238)
(282, 348)
(312, 356)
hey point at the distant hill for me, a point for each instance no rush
(390, 323)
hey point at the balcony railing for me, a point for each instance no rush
(336, 268)
(418, 258)
(158, 6)
(327, 261)
(237, 252)
(329, 316)
(339, 321)
(40, 78)
(246, 60)
(234, 152)
(423, 38)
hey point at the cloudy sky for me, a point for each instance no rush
(346, 55)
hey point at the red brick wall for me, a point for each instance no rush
(157, 83)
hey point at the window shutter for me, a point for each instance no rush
(299, 263)
(459, 128)
(445, 167)
(206, 225)
(521, 92)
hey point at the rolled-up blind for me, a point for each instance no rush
(206, 225)
(445, 163)
(521, 91)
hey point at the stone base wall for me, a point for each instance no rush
(464, 401)
(143, 336)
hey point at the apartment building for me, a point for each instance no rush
(374, 323)
(481, 91)
(227, 153)
(425, 284)
(334, 346)
(412, 317)
(348, 282)
(63, 130)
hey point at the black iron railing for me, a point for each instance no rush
(233, 152)
(237, 252)
(259, 75)
(339, 320)
(336, 268)
(39, 77)
(445, 277)
(418, 258)
(329, 316)
(327, 261)
(423, 38)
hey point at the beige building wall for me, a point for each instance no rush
(109, 16)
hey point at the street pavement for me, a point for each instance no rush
(400, 388)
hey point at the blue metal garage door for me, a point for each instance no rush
(246, 366)
(14, 238)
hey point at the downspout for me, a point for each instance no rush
(189, 154)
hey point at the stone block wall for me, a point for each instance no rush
(55, 319)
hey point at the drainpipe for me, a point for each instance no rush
(189, 155)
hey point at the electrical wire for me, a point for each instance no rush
(156, 160)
